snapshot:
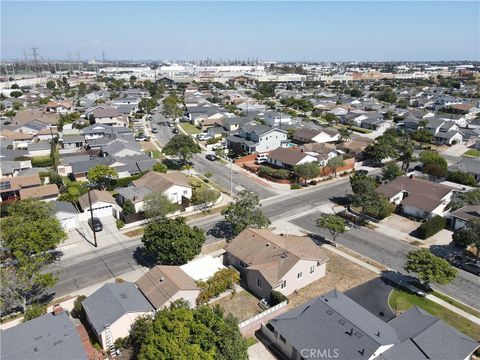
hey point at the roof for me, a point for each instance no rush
(471, 165)
(64, 206)
(202, 268)
(96, 196)
(19, 182)
(290, 156)
(422, 194)
(73, 139)
(107, 112)
(111, 302)
(162, 282)
(468, 213)
(334, 321)
(271, 254)
(48, 337)
(159, 182)
(39, 192)
(41, 145)
(307, 134)
(13, 135)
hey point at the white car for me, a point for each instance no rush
(204, 137)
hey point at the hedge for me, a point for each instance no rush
(360, 130)
(276, 298)
(276, 173)
(221, 281)
(431, 227)
(42, 161)
(123, 182)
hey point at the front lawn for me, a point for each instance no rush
(472, 152)
(190, 129)
(401, 301)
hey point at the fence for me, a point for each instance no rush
(251, 325)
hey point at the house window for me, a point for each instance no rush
(259, 283)
(312, 269)
(284, 284)
(185, 192)
(299, 275)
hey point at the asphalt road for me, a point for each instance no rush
(391, 252)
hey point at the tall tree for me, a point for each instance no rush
(434, 164)
(171, 107)
(391, 171)
(429, 268)
(243, 213)
(345, 134)
(335, 163)
(101, 175)
(334, 224)
(384, 147)
(307, 171)
(158, 206)
(182, 146)
(461, 177)
(406, 154)
(469, 236)
(461, 199)
(172, 241)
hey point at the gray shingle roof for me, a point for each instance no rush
(48, 337)
(111, 302)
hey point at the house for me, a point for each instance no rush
(267, 261)
(323, 152)
(275, 118)
(289, 157)
(469, 165)
(10, 167)
(59, 106)
(112, 309)
(40, 148)
(33, 127)
(52, 336)
(107, 116)
(19, 140)
(325, 135)
(256, 138)
(335, 326)
(444, 132)
(25, 116)
(355, 147)
(66, 213)
(72, 142)
(98, 131)
(10, 187)
(47, 192)
(461, 217)
(175, 186)
(418, 197)
(103, 204)
(164, 284)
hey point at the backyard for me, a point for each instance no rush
(241, 304)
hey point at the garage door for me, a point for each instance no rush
(103, 211)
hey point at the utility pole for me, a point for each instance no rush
(231, 178)
(91, 216)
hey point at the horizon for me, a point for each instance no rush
(267, 31)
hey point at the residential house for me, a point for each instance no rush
(275, 118)
(66, 213)
(461, 217)
(335, 326)
(47, 192)
(268, 261)
(256, 138)
(9, 166)
(444, 132)
(107, 116)
(103, 204)
(48, 337)
(72, 142)
(418, 198)
(112, 309)
(33, 127)
(24, 116)
(40, 148)
(175, 186)
(324, 135)
(289, 157)
(470, 165)
(164, 284)
(355, 147)
(10, 187)
(98, 131)
(323, 152)
(19, 140)
(61, 107)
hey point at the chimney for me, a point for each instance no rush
(57, 309)
(267, 244)
(162, 279)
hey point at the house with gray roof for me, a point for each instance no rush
(256, 138)
(52, 336)
(470, 165)
(66, 213)
(112, 309)
(335, 326)
(41, 148)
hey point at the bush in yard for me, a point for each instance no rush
(313, 182)
(77, 311)
(221, 281)
(431, 227)
(276, 173)
(120, 224)
(34, 311)
(277, 297)
(295, 186)
(128, 207)
(160, 167)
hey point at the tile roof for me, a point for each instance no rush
(96, 196)
(159, 182)
(39, 192)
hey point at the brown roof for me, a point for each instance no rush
(307, 134)
(39, 192)
(20, 182)
(422, 194)
(271, 254)
(55, 104)
(322, 149)
(462, 107)
(25, 116)
(159, 182)
(468, 213)
(96, 195)
(13, 135)
(162, 282)
(290, 156)
(108, 112)
(356, 145)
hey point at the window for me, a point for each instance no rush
(299, 275)
(259, 283)
(185, 192)
(312, 269)
(284, 284)
(283, 339)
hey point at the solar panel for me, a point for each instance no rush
(4, 185)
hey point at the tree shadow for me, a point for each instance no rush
(339, 200)
(173, 164)
(143, 258)
(221, 230)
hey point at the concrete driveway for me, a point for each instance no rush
(373, 296)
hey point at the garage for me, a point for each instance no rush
(66, 213)
(103, 204)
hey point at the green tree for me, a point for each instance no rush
(469, 236)
(172, 241)
(205, 196)
(307, 171)
(101, 175)
(334, 224)
(171, 107)
(363, 188)
(422, 136)
(221, 281)
(403, 103)
(158, 206)
(434, 164)
(16, 94)
(429, 268)
(461, 177)
(406, 154)
(467, 198)
(182, 146)
(384, 147)
(345, 134)
(82, 88)
(243, 213)
(391, 171)
(35, 311)
(160, 167)
(147, 105)
(128, 208)
(335, 163)
(388, 95)
(330, 118)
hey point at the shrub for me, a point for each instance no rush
(160, 167)
(77, 311)
(221, 281)
(120, 224)
(313, 182)
(121, 343)
(431, 227)
(213, 141)
(276, 173)
(277, 297)
(42, 161)
(295, 186)
(123, 182)
(34, 311)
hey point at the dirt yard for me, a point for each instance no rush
(242, 304)
(342, 274)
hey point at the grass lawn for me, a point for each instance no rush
(401, 301)
(455, 303)
(190, 129)
(251, 341)
(157, 154)
(472, 152)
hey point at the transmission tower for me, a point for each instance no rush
(35, 57)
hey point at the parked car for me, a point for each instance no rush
(171, 124)
(154, 130)
(471, 267)
(142, 138)
(263, 304)
(261, 158)
(95, 224)
(175, 131)
(204, 137)
(211, 157)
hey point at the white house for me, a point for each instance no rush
(305, 135)
(256, 138)
(103, 204)
(275, 118)
(66, 213)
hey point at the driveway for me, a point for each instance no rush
(373, 296)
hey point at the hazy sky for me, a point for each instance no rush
(323, 31)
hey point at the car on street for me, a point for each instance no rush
(95, 224)
(171, 124)
(154, 130)
(175, 131)
(471, 267)
(142, 138)
(211, 157)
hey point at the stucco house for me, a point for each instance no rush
(103, 204)
(256, 138)
(326, 135)
(461, 217)
(267, 261)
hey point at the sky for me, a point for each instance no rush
(269, 31)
